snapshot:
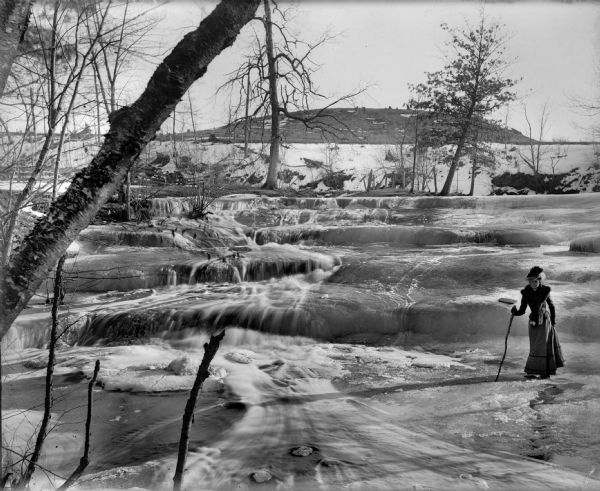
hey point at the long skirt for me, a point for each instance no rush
(545, 354)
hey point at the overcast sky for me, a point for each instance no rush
(387, 44)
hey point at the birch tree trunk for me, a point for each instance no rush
(14, 18)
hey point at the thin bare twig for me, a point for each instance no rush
(85, 459)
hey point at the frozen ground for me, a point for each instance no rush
(374, 417)
(366, 338)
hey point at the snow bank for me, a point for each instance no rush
(353, 167)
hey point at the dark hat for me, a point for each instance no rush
(536, 272)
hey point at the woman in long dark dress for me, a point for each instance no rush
(545, 354)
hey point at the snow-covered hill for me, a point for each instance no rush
(349, 167)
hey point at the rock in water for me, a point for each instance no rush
(330, 462)
(261, 475)
(212, 385)
(36, 363)
(302, 451)
(238, 357)
(217, 372)
(183, 366)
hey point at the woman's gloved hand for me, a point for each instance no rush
(513, 310)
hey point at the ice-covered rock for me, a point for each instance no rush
(330, 462)
(239, 357)
(587, 243)
(217, 372)
(36, 363)
(302, 451)
(261, 475)
(183, 366)
(212, 385)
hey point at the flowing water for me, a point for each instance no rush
(362, 334)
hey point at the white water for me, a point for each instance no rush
(373, 337)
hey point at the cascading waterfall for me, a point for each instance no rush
(354, 327)
(332, 222)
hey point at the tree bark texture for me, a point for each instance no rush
(210, 350)
(271, 182)
(131, 128)
(14, 18)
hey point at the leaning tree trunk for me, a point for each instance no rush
(131, 128)
(14, 18)
(453, 166)
(271, 182)
(210, 350)
(465, 127)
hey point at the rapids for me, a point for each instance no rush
(365, 330)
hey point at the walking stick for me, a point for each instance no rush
(512, 316)
(508, 301)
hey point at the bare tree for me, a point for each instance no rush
(14, 19)
(115, 49)
(535, 154)
(429, 138)
(555, 159)
(590, 105)
(271, 182)
(54, 42)
(402, 170)
(416, 144)
(277, 80)
(122, 40)
(245, 87)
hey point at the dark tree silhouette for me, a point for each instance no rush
(278, 80)
(470, 87)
